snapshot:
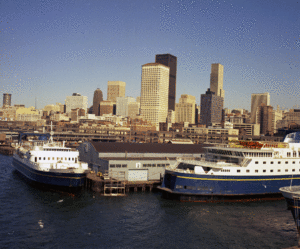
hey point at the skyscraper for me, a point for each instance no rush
(185, 109)
(115, 89)
(211, 108)
(170, 61)
(154, 92)
(122, 105)
(216, 79)
(98, 97)
(6, 99)
(256, 100)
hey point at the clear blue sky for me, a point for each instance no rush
(51, 49)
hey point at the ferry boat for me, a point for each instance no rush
(292, 197)
(235, 172)
(50, 163)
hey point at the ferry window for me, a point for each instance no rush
(293, 162)
(48, 158)
(264, 171)
(286, 162)
(256, 171)
(72, 159)
(52, 158)
(35, 159)
(278, 170)
(264, 162)
(293, 170)
(294, 154)
(279, 162)
(288, 154)
(65, 158)
(271, 170)
(272, 162)
(62, 158)
(286, 170)
(179, 186)
(149, 165)
(112, 165)
(124, 165)
(238, 171)
(69, 158)
(256, 162)
(44, 158)
(247, 170)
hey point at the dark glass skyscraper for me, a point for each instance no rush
(170, 61)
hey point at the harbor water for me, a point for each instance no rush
(31, 217)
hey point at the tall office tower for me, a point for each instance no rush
(154, 92)
(106, 107)
(185, 109)
(265, 119)
(6, 100)
(256, 100)
(76, 101)
(216, 79)
(170, 61)
(115, 89)
(122, 105)
(211, 108)
(98, 97)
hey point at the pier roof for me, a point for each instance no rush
(148, 148)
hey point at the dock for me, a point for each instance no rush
(6, 150)
(117, 186)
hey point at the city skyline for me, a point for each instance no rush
(51, 50)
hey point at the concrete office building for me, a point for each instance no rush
(185, 109)
(154, 93)
(216, 79)
(6, 100)
(211, 108)
(256, 100)
(76, 101)
(115, 89)
(133, 109)
(122, 105)
(98, 97)
(106, 107)
(170, 61)
(265, 119)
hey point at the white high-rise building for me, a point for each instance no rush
(256, 100)
(216, 79)
(154, 92)
(122, 105)
(76, 101)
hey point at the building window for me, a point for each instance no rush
(124, 165)
(118, 166)
(112, 165)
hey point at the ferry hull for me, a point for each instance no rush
(55, 179)
(207, 188)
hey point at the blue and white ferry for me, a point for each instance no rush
(51, 164)
(236, 172)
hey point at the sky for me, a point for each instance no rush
(52, 49)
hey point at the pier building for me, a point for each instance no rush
(138, 161)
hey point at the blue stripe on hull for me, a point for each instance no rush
(182, 183)
(50, 178)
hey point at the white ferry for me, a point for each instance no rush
(236, 172)
(50, 163)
